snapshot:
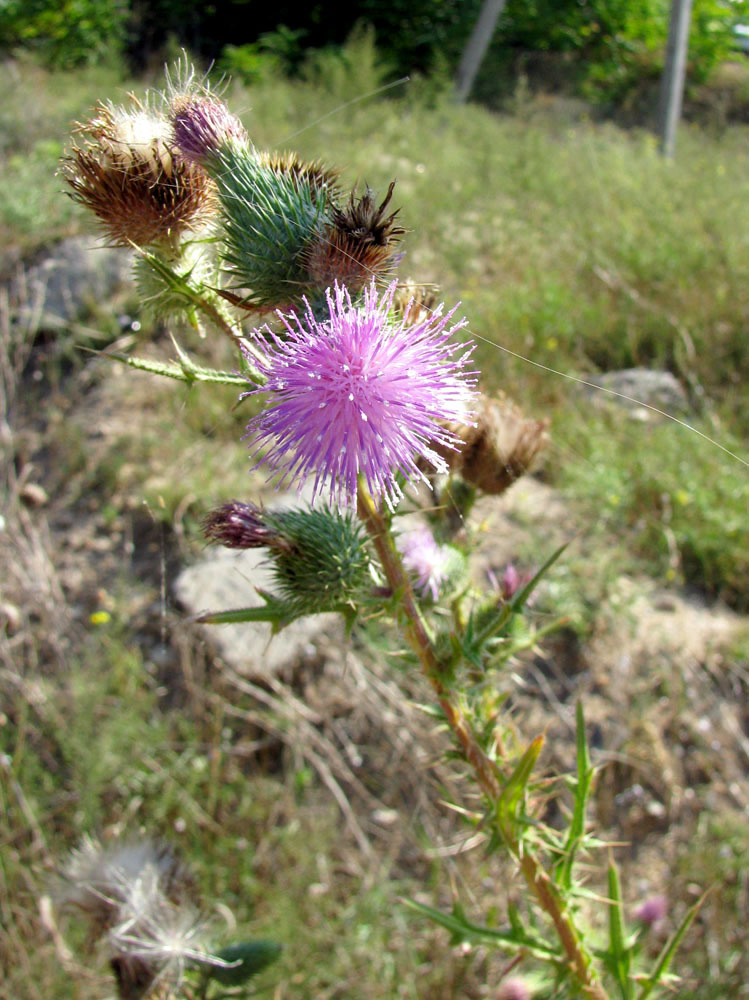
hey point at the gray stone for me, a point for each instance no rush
(225, 579)
(67, 280)
(639, 389)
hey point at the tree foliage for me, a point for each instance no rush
(65, 33)
(603, 47)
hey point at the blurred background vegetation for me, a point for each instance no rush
(608, 51)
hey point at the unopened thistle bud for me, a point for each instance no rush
(652, 910)
(237, 525)
(126, 169)
(499, 448)
(356, 246)
(318, 557)
(204, 127)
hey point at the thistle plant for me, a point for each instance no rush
(369, 393)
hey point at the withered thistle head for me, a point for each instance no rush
(499, 449)
(356, 246)
(98, 880)
(137, 899)
(203, 125)
(417, 302)
(126, 169)
(313, 172)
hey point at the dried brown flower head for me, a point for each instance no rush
(418, 301)
(357, 245)
(499, 449)
(126, 169)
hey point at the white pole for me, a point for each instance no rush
(476, 47)
(674, 72)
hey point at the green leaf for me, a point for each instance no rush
(581, 787)
(619, 958)
(247, 958)
(669, 950)
(514, 790)
(514, 939)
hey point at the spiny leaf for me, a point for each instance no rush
(464, 930)
(189, 373)
(582, 791)
(619, 957)
(514, 789)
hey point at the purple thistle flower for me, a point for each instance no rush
(237, 525)
(202, 125)
(362, 392)
(424, 559)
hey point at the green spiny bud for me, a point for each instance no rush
(270, 217)
(318, 556)
(327, 565)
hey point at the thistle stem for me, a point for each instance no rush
(486, 771)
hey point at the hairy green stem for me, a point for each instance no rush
(486, 771)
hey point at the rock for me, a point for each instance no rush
(226, 579)
(66, 280)
(633, 387)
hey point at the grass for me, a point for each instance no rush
(571, 244)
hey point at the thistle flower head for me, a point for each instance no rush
(154, 940)
(136, 898)
(124, 167)
(362, 393)
(203, 126)
(428, 563)
(318, 556)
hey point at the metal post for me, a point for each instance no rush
(674, 72)
(476, 47)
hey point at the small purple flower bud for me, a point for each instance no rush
(425, 560)
(514, 989)
(203, 125)
(238, 525)
(510, 581)
(652, 910)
